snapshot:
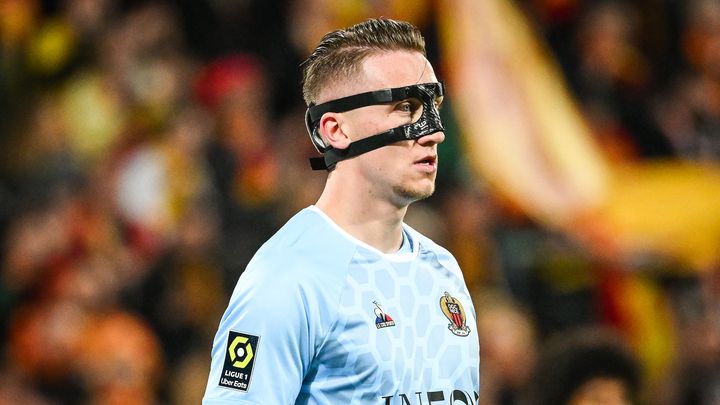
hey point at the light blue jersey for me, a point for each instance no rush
(319, 317)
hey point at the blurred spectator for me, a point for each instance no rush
(585, 367)
(121, 361)
(508, 347)
(695, 378)
(470, 220)
(689, 114)
(241, 156)
(613, 79)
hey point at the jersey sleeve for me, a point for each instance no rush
(266, 339)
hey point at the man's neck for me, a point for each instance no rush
(365, 216)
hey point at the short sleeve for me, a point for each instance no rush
(265, 341)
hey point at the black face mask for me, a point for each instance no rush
(428, 123)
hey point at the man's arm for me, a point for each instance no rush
(264, 343)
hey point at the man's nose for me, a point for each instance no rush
(432, 139)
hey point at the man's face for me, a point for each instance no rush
(405, 171)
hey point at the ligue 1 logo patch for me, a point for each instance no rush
(240, 356)
(454, 312)
(382, 320)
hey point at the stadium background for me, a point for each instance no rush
(149, 147)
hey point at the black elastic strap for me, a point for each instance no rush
(332, 156)
(358, 100)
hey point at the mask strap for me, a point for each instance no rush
(332, 156)
(358, 100)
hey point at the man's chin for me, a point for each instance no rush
(410, 195)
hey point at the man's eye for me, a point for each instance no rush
(407, 106)
(404, 107)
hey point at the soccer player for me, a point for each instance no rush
(346, 304)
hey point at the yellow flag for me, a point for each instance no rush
(526, 137)
(523, 132)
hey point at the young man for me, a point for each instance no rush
(346, 304)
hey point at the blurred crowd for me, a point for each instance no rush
(149, 148)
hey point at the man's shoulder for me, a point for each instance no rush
(305, 245)
(307, 230)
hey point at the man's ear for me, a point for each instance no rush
(332, 131)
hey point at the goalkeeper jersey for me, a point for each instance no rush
(319, 317)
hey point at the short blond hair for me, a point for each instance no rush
(340, 53)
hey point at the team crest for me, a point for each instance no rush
(382, 320)
(453, 310)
